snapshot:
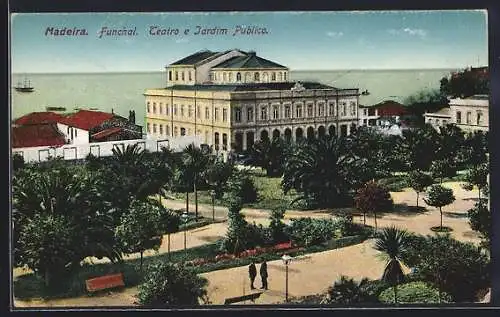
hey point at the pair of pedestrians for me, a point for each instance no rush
(252, 272)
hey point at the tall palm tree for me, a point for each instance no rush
(392, 242)
(320, 170)
(194, 162)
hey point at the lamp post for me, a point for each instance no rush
(184, 218)
(286, 260)
(212, 193)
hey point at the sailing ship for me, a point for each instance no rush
(25, 86)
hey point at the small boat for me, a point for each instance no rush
(49, 108)
(365, 92)
(25, 86)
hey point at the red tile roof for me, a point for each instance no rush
(87, 119)
(104, 133)
(390, 108)
(37, 135)
(39, 118)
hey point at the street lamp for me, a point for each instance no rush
(184, 218)
(212, 193)
(286, 260)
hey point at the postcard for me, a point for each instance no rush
(230, 159)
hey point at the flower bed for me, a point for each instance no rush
(280, 248)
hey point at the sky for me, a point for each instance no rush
(299, 40)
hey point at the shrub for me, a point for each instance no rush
(347, 291)
(167, 284)
(415, 293)
(307, 231)
(241, 185)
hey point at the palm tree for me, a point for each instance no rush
(194, 162)
(321, 170)
(392, 243)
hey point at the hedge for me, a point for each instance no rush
(414, 293)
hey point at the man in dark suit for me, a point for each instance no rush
(252, 273)
(263, 275)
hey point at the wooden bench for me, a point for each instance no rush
(232, 300)
(104, 282)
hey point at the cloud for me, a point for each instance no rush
(334, 34)
(409, 31)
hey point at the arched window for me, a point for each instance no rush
(230, 77)
(224, 77)
(238, 77)
(273, 76)
(284, 76)
(256, 76)
(247, 77)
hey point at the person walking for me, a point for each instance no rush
(252, 273)
(263, 275)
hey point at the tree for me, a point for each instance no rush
(168, 223)
(425, 101)
(269, 155)
(457, 268)
(441, 169)
(139, 229)
(419, 181)
(451, 140)
(217, 175)
(236, 237)
(465, 83)
(418, 148)
(240, 185)
(477, 176)
(195, 162)
(439, 196)
(392, 242)
(17, 161)
(276, 226)
(475, 148)
(346, 291)
(168, 284)
(322, 171)
(373, 198)
(47, 247)
(480, 220)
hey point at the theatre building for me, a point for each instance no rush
(233, 98)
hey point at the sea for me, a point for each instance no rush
(121, 92)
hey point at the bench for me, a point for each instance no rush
(104, 282)
(232, 300)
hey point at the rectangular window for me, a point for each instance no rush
(154, 127)
(237, 115)
(276, 112)
(459, 117)
(287, 112)
(167, 109)
(161, 129)
(190, 111)
(176, 75)
(263, 113)
(207, 113)
(182, 76)
(216, 115)
(224, 141)
(149, 127)
(321, 108)
(189, 73)
(224, 115)
(182, 110)
(167, 130)
(154, 107)
(249, 114)
(344, 109)
(175, 110)
(331, 109)
(149, 107)
(161, 108)
(469, 115)
(310, 110)
(479, 119)
(299, 111)
(170, 75)
(353, 108)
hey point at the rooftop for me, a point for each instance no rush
(105, 133)
(39, 118)
(251, 60)
(86, 119)
(195, 58)
(37, 135)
